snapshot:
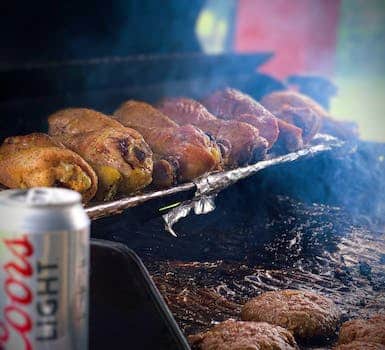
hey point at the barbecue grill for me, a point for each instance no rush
(311, 219)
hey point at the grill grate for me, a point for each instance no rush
(318, 250)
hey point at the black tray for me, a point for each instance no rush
(118, 322)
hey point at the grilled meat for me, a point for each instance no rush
(276, 100)
(289, 139)
(360, 345)
(189, 152)
(244, 141)
(72, 121)
(37, 160)
(185, 110)
(231, 104)
(238, 335)
(308, 115)
(142, 116)
(296, 109)
(305, 314)
(119, 155)
(371, 330)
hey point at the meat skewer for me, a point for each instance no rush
(119, 155)
(184, 152)
(36, 160)
(246, 145)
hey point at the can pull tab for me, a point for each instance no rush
(39, 196)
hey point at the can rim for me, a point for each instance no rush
(40, 197)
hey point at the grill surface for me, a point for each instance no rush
(267, 234)
(315, 248)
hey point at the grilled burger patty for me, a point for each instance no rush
(307, 315)
(238, 335)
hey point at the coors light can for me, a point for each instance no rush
(44, 260)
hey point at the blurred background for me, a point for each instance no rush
(341, 40)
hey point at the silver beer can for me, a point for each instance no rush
(44, 264)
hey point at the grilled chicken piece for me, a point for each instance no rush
(36, 160)
(289, 139)
(185, 152)
(142, 116)
(165, 172)
(231, 104)
(189, 151)
(297, 110)
(119, 155)
(246, 146)
(276, 100)
(307, 107)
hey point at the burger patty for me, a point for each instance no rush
(307, 315)
(360, 345)
(371, 330)
(238, 335)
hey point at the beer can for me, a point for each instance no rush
(44, 268)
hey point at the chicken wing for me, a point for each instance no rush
(245, 144)
(36, 160)
(187, 150)
(231, 104)
(119, 155)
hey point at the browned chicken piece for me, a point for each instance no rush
(165, 172)
(289, 139)
(119, 155)
(276, 100)
(296, 109)
(231, 104)
(142, 116)
(246, 146)
(243, 140)
(185, 152)
(36, 160)
(185, 110)
(72, 121)
(307, 114)
(187, 149)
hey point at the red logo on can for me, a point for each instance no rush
(19, 294)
